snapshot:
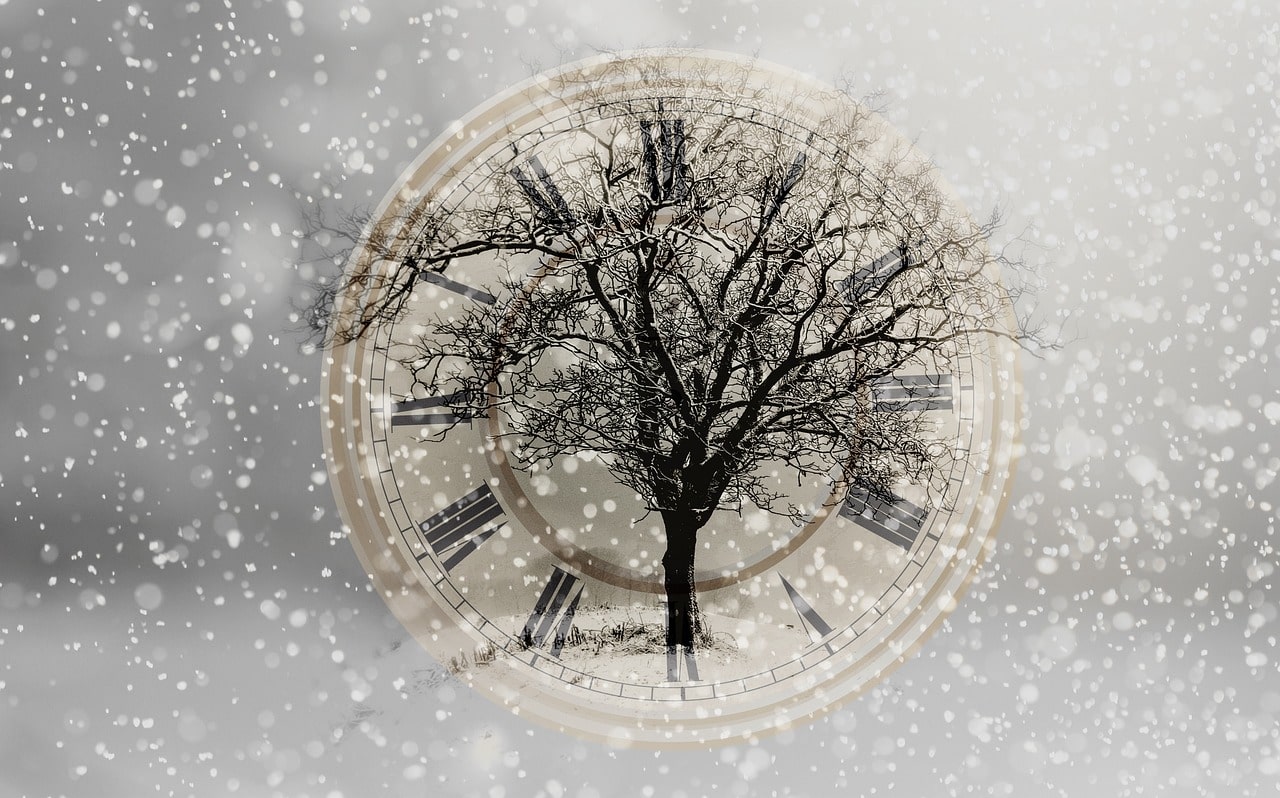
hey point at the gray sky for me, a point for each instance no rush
(179, 613)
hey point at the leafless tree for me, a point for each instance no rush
(699, 296)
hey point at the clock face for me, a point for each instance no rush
(542, 586)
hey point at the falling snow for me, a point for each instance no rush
(181, 615)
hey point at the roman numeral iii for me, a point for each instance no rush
(913, 392)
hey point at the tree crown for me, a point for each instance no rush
(700, 295)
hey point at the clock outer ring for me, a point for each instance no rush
(538, 696)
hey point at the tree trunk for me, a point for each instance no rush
(684, 620)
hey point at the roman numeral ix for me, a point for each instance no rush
(431, 411)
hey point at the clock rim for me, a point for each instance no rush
(343, 364)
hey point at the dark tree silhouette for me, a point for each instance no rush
(699, 297)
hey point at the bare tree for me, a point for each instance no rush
(699, 297)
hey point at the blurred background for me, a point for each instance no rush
(181, 615)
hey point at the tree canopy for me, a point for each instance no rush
(701, 294)
(707, 296)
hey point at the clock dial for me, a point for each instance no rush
(547, 576)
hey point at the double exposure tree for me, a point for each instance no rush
(699, 299)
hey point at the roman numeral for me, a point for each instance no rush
(550, 624)
(871, 278)
(913, 392)
(664, 159)
(784, 190)
(476, 294)
(678, 655)
(897, 520)
(538, 186)
(428, 412)
(809, 617)
(459, 529)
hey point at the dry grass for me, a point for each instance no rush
(481, 656)
(630, 636)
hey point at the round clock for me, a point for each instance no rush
(670, 399)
